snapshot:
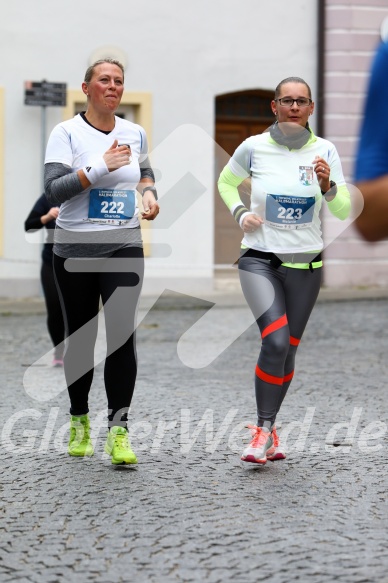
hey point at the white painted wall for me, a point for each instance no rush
(184, 54)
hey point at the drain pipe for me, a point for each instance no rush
(321, 26)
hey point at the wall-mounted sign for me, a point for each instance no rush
(44, 93)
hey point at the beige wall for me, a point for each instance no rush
(351, 36)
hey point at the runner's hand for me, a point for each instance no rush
(117, 156)
(150, 206)
(53, 213)
(251, 222)
(322, 170)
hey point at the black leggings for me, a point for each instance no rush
(55, 325)
(117, 281)
(281, 300)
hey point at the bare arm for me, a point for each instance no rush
(147, 178)
(372, 223)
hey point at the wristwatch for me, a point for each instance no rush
(332, 190)
(153, 189)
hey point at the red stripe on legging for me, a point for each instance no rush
(288, 377)
(279, 323)
(294, 341)
(268, 378)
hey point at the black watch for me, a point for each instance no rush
(332, 190)
(153, 189)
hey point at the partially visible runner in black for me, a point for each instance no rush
(43, 215)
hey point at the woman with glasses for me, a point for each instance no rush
(293, 173)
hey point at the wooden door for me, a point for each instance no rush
(228, 234)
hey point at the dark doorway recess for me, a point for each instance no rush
(238, 116)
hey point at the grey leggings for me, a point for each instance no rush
(281, 300)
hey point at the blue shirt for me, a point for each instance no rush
(372, 154)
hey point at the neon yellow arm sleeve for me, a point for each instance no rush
(340, 205)
(227, 187)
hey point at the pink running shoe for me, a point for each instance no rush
(276, 452)
(261, 442)
(57, 362)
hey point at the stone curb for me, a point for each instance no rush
(172, 301)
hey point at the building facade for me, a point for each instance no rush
(353, 29)
(188, 69)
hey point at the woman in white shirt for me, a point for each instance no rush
(94, 164)
(292, 173)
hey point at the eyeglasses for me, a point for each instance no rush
(289, 102)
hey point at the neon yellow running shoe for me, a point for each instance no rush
(80, 444)
(118, 446)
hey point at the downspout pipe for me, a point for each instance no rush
(321, 27)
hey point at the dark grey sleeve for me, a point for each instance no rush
(145, 169)
(60, 183)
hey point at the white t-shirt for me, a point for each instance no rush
(285, 191)
(77, 144)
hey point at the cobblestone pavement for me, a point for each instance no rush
(188, 511)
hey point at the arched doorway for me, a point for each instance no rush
(238, 116)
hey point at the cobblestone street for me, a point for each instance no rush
(189, 511)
